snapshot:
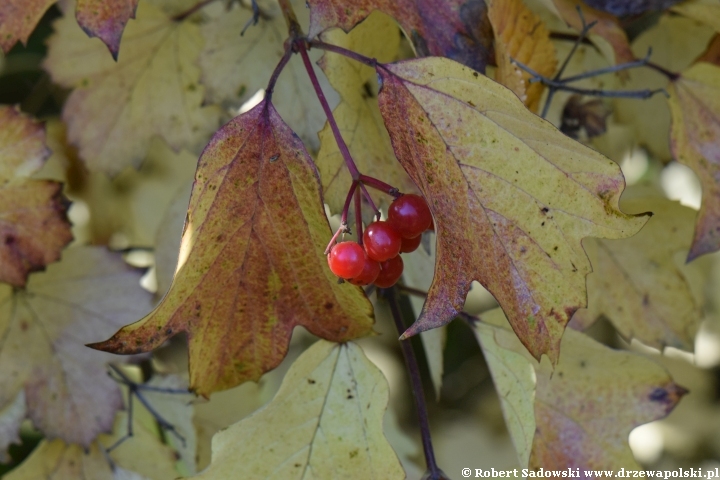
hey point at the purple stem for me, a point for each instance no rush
(418, 394)
(276, 73)
(370, 62)
(358, 217)
(379, 185)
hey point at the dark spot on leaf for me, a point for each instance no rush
(169, 331)
(354, 453)
(658, 395)
(476, 74)
(544, 210)
(646, 300)
(329, 305)
(274, 157)
(23, 325)
(311, 381)
(367, 91)
(9, 240)
(583, 364)
(349, 397)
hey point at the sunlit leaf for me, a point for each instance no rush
(512, 197)
(357, 115)
(33, 225)
(234, 68)
(637, 284)
(521, 35)
(582, 409)
(704, 11)
(325, 421)
(18, 19)
(43, 331)
(695, 141)
(457, 29)
(116, 108)
(105, 19)
(253, 265)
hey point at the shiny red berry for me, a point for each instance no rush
(381, 241)
(409, 215)
(346, 260)
(370, 272)
(410, 244)
(390, 271)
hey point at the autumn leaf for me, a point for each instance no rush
(695, 141)
(105, 19)
(630, 7)
(521, 35)
(141, 457)
(704, 11)
(233, 71)
(243, 285)
(153, 89)
(712, 53)
(457, 29)
(637, 284)
(11, 417)
(18, 19)
(511, 196)
(43, 330)
(579, 413)
(33, 226)
(326, 420)
(357, 115)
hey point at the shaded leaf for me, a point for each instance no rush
(105, 19)
(584, 408)
(712, 53)
(234, 68)
(704, 11)
(511, 196)
(18, 19)
(116, 108)
(357, 115)
(521, 35)
(695, 141)
(43, 330)
(457, 29)
(637, 284)
(630, 7)
(33, 226)
(590, 116)
(325, 421)
(242, 285)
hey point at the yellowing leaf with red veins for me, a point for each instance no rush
(33, 225)
(357, 115)
(18, 19)
(234, 71)
(638, 285)
(607, 29)
(457, 29)
(521, 35)
(153, 89)
(326, 421)
(704, 11)
(512, 197)
(252, 262)
(579, 414)
(43, 331)
(695, 141)
(105, 19)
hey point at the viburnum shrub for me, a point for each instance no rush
(438, 169)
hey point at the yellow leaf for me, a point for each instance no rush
(325, 421)
(357, 115)
(704, 11)
(116, 108)
(580, 413)
(637, 284)
(512, 197)
(695, 141)
(521, 35)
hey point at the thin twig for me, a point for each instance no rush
(358, 217)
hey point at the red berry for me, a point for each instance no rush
(346, 260)
(390, 271)
(409, 215)
(410, 244)
(370, 272)
(381, 241)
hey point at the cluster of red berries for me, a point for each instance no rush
(379, 262)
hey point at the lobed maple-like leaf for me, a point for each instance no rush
(253, 265)
(512, 197)
(579, 413)
(116, 108)
(695, 141)
(457, 29)
(105, 19)
(18, 19)
(326, 421)
(33, 226)
(43, 331)
(357, 115)
(521, 35)
(637, 284)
